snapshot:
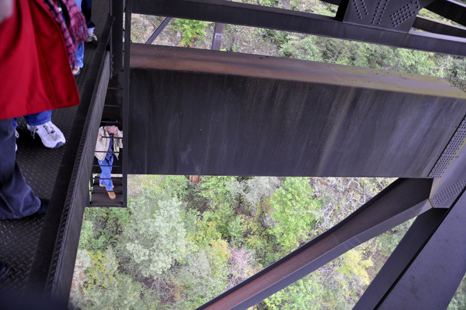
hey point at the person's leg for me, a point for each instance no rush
(79, 60)
(105, 176)
(110, 182)
(41, 123)
(80, 56)
(17, 199)
(38, 118)
(79, 50)
(86, 7)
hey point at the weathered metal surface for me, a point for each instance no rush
(116, 44)
(434, 26)
(126, 96)
(52, 269)
(397, 15)
(280, 19)
(271, 116)
(432, 277)
(417, 235)
(450, 170)
(66, 244)
(218, 33)
(217, 39)
(449, 9)
(402, 200)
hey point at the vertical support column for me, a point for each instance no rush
(217, 40)
(116, 39)
(218, 33)
(432, 277)
(126, 81)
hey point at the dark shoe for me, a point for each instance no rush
(44, 204)
(4, 269)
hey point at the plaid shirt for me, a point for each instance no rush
(72, 24)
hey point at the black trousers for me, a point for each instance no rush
(17, 199)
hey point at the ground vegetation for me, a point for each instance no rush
(179, 244)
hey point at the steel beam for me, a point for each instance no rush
(433, 275)
(217, 39)
(218, 33)
(51, 272)
(244, 114)
(402, 200)
(116, 42)
(395, 15)
(280, 19)
(413, 241)
(159, 29)
(434, 26)
(449, 9)
(126, 97)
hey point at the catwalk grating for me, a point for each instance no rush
(40, 166)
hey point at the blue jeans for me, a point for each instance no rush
(36, 119)
(80, 48)
(17, 199)
(80, 56)
(105, 176)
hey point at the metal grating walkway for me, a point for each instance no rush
(19, 239)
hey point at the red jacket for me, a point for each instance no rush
(35, 74)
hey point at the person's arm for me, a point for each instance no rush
(6, 9)
(101, 132)
(119, 142)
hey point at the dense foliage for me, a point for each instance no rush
(179, 244)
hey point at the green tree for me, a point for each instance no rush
(155, 243)
(220, 201)
(201, 278)
(251, 192)
(295, 213)
(307, 293)
(107, 288)
(190, 30)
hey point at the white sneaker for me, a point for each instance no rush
(76, 70)
(51, 136)
(91, 38)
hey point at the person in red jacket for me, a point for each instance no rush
(36, 56)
